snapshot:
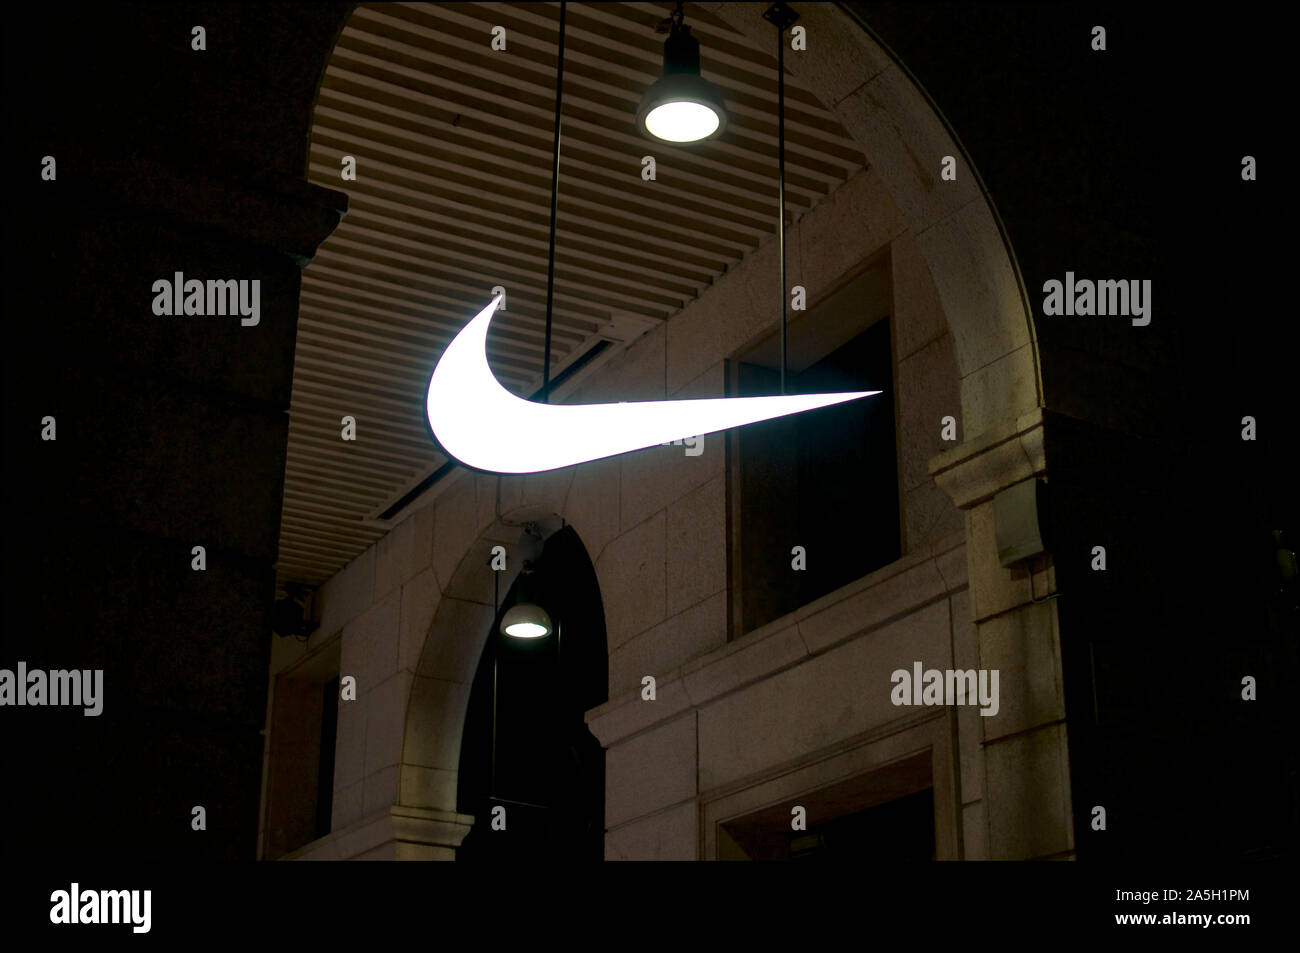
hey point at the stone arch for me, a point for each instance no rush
(455, 624)
(904, 138)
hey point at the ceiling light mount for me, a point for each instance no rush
(673, 21)
(681, 51)
(526, 619)
(780, 16)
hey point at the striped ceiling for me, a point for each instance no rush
(452, 142)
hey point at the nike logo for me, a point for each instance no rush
(486, 427)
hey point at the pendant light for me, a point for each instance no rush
(526, 619)
(681, 106)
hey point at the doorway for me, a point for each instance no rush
(531, 773)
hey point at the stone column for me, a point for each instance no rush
(1025, 786)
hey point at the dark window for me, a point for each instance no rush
(826, 480)
(300, 772)
(883, 817)
(898, 831)
(329, 724)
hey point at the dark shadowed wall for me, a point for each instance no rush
(1127, 164)
(170, 430)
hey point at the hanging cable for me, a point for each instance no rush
(780, 152)
(496, 612)
(555, 192)
(781, 17)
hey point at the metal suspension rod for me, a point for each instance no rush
(780, 137)
(496, 609)
(555, 192)
(781, 17)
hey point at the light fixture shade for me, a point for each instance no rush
(682, 106)
(525, 620)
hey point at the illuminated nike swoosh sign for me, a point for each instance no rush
(485, 426)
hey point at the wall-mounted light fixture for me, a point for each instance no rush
(526, 619)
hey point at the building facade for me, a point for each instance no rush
(1096, 507)
(797, 711)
